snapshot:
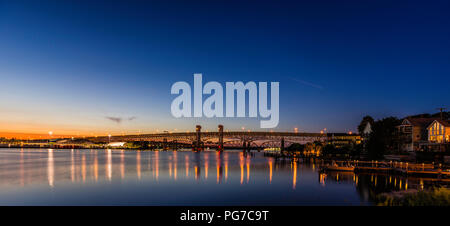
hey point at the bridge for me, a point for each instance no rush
(222, 139)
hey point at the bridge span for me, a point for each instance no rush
(225, 139)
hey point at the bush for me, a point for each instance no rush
(434, 197)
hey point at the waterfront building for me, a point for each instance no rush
(343, 139)
(412, 133)
(312, 149)
(439, 131)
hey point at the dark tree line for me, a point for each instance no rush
(383, 138)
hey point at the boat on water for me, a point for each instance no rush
(339, 168)
(272, 150)
(336, 167)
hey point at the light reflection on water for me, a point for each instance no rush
(123, 177)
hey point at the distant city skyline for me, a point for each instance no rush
(99, 68)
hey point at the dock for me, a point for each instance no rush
(405, 168)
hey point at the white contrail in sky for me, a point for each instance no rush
(307, 83)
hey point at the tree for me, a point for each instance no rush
(329, 149)
(364, 121)
(296, 147)
(383, 137)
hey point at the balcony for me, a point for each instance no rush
(405, 129)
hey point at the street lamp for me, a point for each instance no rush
(109, 138)
(50, 133)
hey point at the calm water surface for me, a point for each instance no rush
(124, 177)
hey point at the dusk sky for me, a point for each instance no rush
(77, 68)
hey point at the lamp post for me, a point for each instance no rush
(50, 133)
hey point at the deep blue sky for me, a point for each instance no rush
(66, 65)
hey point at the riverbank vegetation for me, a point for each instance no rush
(433, 197)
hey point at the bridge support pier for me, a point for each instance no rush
(165, 144)
(246, 145)
(198, 138)
(220, 145)
(282, 144)
(175, 146)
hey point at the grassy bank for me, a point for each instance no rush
(433, 197)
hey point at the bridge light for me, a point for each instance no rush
(243, 128)
(321, 132)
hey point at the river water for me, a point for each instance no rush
(124, 177)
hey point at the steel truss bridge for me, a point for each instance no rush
(221, 139)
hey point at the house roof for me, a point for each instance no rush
(367, 129)
(422, 122)
(445, 123)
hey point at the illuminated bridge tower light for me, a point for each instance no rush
(220, 145)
